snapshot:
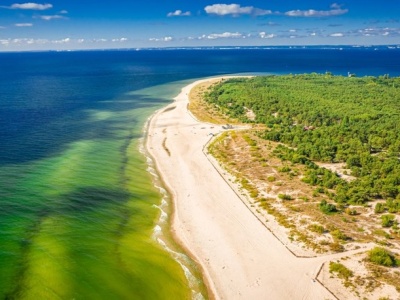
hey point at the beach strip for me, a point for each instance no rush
(240, 258)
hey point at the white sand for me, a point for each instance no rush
(240, 257)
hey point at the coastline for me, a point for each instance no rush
(154, 157)
(239, 256)
(184, 256)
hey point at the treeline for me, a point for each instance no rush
(329, 119)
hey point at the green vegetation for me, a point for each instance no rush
(393, 206)
(285, 197)
(388, 220)
(325, 118)
(336, 247)
(382, 233)
(327, 208)
(379, 208)
(340, 270)
(316, 228)
(337, 234)
(381, 256)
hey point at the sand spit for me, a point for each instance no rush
(239, 255)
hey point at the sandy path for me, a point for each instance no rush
(240, 258)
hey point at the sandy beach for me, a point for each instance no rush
(240, 258)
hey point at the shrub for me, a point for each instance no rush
(340, 269)
(336, 247)
(285, 169)
(316, 228)
(388, 220)
(393, 206)
(379, 208)
(381, 256)
(271, 178)
(327, 208)
(304, 198)
(339, 235)
(285, 197)
(254, 193)
(351, 212)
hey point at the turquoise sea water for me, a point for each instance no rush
(82, 215)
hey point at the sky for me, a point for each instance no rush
(89, 24)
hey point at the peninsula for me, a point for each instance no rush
(244, 254)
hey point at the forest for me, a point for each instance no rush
(326, 118)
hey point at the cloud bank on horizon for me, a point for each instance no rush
(155, 23)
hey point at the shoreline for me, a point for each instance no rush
(204, 276)
(239, 256)
(167, 193)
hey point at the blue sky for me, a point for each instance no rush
(62, 24)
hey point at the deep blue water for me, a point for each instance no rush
(37, 90)
(76, 200)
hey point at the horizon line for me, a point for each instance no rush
(388, 46)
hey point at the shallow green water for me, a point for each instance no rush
(85, 223)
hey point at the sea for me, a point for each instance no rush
(83, 212)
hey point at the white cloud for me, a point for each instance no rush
(179, 13)
(23, 24)
(53, 17)
(23, 41)
(120, 40)
(63, 11)
(58, 42)
(100, 40)
(30, 5)
(164, 39)
(62, 41)
(338, 34)
(264, 35)
(225, 35)
(235, 10)
(378, 31)
(335, 10)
